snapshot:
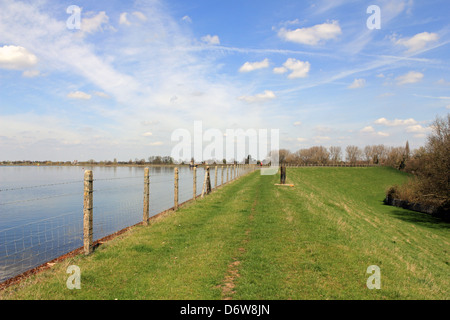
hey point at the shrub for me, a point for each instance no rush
(431, 167)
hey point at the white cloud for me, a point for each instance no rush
(313, 35)
(186, 19)
(320, 139)
(417, 129)
(94, 24)
(16, 58)
(301, 139)
(297, 123)
(101, 94)
(280, 70)
(260, 97)
(380, 75)
(396, 122)
(30, 73)
(147, 134)
(357, 83)
(368, 129)
(371, 130)
(123, 19)
(383, 134)
(418, 42)
(79, 95)
(211, 39)
(443, 82)
(140, 15)
(150, 123)
(410, 77)
(299, 69)
(250, 66)
(448, 107)
(157, 143)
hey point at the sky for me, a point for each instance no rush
(118, 81)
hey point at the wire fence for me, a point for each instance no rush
(41, 222)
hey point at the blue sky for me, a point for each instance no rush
(138, 70)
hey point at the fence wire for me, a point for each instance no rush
(39, 223)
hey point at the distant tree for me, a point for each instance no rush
(353, 154)
(283, 154)
(335, 154)
(368, 153)
(379, 153)
(305, 156)
(407, 151)
(319, 155)
(395, 157)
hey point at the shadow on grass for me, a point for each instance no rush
(419, 218)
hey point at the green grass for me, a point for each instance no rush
(254, 240)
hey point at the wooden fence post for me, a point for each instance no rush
(175, 196)
(227, 174)
(195, 183)
(146, 196)
(88, 212)
(215, 177)
(206, 183)
(282, 174)
(221, 183)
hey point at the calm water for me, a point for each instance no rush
(41, 208)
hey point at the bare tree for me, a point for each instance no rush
(319, 155)
(368, 153)
(407, 151)
(335, 154)
(395, 157)
(353, 154)
(283, 155)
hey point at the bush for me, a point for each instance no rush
(431, 168)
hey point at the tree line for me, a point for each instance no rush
(371, 154)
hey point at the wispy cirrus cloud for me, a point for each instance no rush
(396, 122)
(94, 22)
(357, 83)
(410, 77)
(212, 40)
(79, 95)
(260, 97)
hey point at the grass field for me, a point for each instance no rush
(254, 240)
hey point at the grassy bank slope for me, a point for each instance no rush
(254, 240)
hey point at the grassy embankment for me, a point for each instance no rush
(254, 240)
